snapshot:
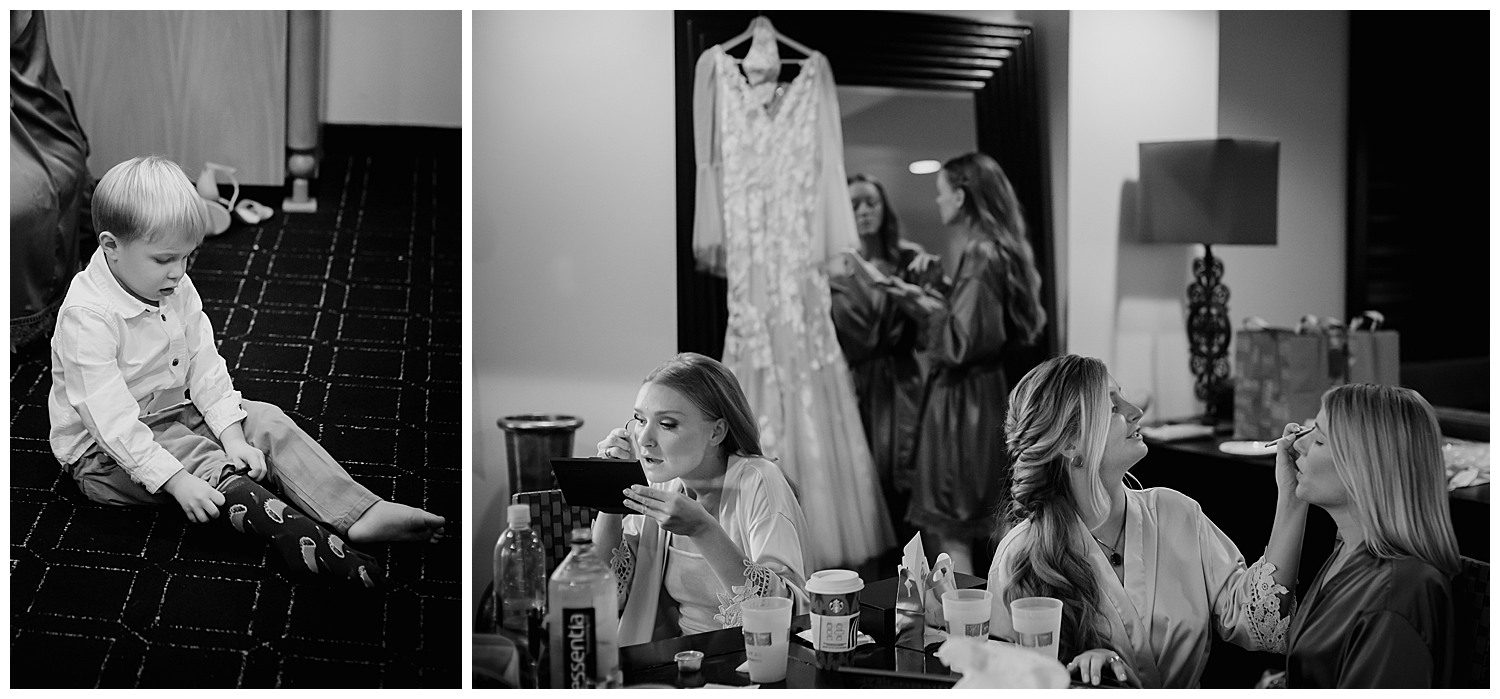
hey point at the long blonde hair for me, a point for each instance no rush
(1055, 432)
(990, 205)
(1388, 451)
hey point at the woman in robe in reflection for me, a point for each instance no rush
(1145, 577)
(719, 523)
(1380, 612)
(880, 333)
(959, 458)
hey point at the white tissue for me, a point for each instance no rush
(1000, 666)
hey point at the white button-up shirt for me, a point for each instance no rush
(116, 359)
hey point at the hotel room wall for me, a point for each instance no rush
(390, 67)
(574, 277)
(1285, 75)
(1132, 77)
(1138, 76)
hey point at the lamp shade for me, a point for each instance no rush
(1217, 192)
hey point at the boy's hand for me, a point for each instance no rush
(198, 499)
(247, 456)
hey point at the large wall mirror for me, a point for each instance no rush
(908, 84)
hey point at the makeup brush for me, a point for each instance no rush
(1293, 436)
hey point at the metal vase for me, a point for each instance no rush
(531, 442)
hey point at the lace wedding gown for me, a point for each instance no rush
(772, 210)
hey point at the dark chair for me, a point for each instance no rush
(553, 518)
(1471, 635)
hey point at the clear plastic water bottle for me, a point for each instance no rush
(521, 583)
(583, 619)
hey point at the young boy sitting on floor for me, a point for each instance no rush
(132, 344)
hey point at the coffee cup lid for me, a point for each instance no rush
(834, 582)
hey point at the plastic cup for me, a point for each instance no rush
(767, 621)
(967, 612)
(834, 615)
(1038, 622)
(689, 661)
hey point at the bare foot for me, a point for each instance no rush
(392, 521)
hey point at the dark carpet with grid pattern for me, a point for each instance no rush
(349, 320)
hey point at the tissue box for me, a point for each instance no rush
(877, 606)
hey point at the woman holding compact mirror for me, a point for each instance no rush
(719, 523)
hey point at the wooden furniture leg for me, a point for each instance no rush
(303, 53)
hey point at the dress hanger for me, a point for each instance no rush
(762, 20)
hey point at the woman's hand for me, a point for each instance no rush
(1286, 465)
(1091, 663)
(675, 512)
(919, 265)
(913, 298)
(616, 445)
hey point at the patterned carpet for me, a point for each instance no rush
(349, 320)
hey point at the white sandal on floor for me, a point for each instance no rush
(252, 212)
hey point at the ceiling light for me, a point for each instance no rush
(924, 167)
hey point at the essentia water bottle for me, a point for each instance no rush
(521, 582)
(583, 619)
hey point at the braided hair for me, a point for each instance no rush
(1055, 428)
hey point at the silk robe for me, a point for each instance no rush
(1376, 623)
(1184, 579)
(759, 512)
(880, 341)
(958, 471)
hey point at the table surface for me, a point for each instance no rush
(1209, 446)
(724, 650)
(873, 666)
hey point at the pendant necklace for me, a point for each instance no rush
(1115, 559)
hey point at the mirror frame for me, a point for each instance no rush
(994, 62)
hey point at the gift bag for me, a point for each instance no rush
(1280, 377)
(1375, 357)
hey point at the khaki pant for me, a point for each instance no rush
(304, 472)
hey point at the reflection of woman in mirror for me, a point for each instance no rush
(959, 458)
(879, 333)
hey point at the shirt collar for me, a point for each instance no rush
(118, 298)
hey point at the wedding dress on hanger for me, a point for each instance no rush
(772, 211)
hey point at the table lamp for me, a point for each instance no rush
(1214, 192)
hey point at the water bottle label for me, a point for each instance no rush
(581, 648)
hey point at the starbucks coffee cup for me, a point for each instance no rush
(835, 614)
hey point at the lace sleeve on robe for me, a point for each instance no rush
(765, 521)
(760, 581)
(1247, 601)
(1264, 620)
(622, 562)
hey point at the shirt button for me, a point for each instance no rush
(174, 362)
(163, 316)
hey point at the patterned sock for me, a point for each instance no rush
(303, 543)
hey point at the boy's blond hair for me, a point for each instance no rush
(149, 198)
